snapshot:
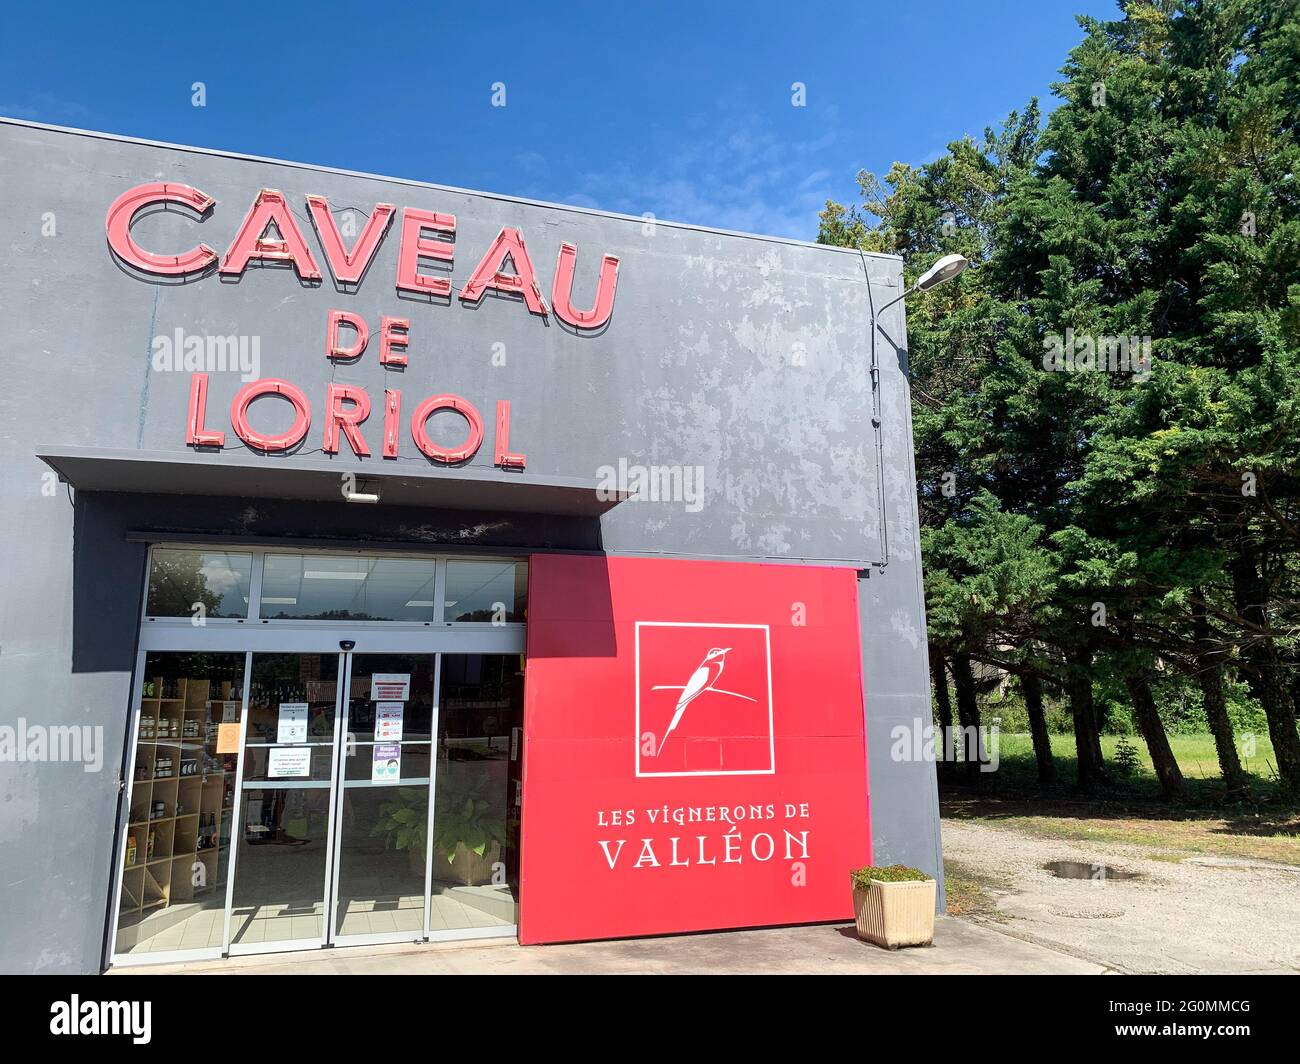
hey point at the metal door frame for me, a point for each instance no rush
(305, 638)
(380, 937)
(254, 635)
(232, 949)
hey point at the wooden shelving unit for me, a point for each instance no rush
(181, 798)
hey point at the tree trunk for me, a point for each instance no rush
(968, 713)
(1032, 688)
(1153, 732)
(1263, 669)
(943, 707)
(1209, 677)
(1087, 740)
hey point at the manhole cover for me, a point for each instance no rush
(1085, 870)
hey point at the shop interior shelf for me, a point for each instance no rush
(180, 797)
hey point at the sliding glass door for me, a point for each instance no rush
(175, 853)
(284, 840)
(326, 749)
(478, 793)
(382, 840)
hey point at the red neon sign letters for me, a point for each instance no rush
(270, 233)
(347, 407)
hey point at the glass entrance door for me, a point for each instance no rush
(283, 838)
(475, 881)
(332, 756)
(379, 799)
(381, 864)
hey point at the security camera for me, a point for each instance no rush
(347, 644)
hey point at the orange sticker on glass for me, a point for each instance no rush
(227, 738)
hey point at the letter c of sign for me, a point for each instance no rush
(123, 211)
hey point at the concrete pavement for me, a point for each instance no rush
(960, 948)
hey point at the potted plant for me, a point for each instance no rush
(468, 833)
(403, 821)
(467, 838)
(894, 906)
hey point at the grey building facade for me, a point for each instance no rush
(735, 369)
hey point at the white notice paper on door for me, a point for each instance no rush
(388, 721)
(293, 723)
(284, 762)
(390, 685)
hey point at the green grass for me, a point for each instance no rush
(969, 891)
(1195, 754)
(1263, 825)
(1271, 836)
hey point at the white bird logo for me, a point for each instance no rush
(702, 679)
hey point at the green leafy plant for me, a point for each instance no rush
(1126, 760)
(403, 820)
(471, 822)
(461, 819)
(862, 877)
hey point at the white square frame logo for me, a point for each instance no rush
(771, 724)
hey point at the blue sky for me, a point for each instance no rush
(683, 110)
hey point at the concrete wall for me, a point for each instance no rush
(746, 356)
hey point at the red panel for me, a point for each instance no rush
(715, 704)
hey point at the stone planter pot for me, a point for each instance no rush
(466, 866)
(895, 914)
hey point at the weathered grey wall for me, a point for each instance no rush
(747, 356)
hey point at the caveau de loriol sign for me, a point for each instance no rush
(270, 233)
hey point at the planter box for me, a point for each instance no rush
(895, 914)
(466, 867)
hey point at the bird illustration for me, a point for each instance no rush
(702, 679)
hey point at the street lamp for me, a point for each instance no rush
(945, 269)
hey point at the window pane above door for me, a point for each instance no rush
(182, 582)
(487, 592)
(332, 587)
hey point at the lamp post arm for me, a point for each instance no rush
(893, 301)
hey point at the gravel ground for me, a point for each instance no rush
(1184, 914)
